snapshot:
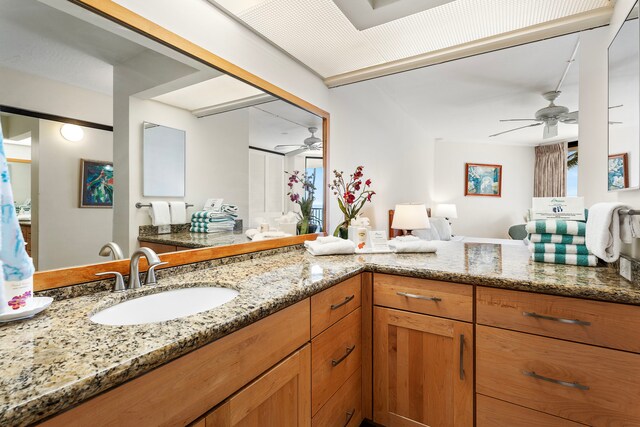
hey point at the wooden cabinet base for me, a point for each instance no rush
(497, 413)
(281, 397)
(344, 407)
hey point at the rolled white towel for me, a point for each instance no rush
(336, 247)
(606, 230)
(412, 246)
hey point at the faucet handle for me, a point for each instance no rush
(151, 273)
(119, 286)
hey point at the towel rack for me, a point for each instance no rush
(148, 205)
(629, 212)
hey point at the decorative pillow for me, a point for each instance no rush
(442, 227)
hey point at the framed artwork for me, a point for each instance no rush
(96, 184)
(618, 172)
(483, 180)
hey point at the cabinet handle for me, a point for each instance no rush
(349, 416)
(556, 319)
(554, 381)
(462, 357)
(335, 362)
(404, 294)
(346, 301)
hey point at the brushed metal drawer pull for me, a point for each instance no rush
(335, 362)
(349, 416)
(405, 294)
(346, 301)
(462, 357)
(554, 381)
(556, 319)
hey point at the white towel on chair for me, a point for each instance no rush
(606, 230)
(159, 213)
(331, 247)
(178, 212)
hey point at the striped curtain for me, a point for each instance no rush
(550, 173)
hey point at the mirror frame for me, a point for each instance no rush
(52, 279)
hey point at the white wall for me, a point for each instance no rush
(204, 25)
(484, 216)
(368, 128)
(217, 160)
(67, 234)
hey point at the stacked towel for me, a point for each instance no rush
(214, 221)
(559, 242)
(411, 244)
(608, 229)
(330, 245)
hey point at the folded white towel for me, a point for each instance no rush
(606, 230)
(269, 235)
(407, 238)
(323, 240)
(159, 213)
(412, 246)
(250, 233)
(178, 212)
(339, 247)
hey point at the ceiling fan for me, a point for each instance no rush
(312, 143)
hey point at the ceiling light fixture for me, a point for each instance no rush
(73, 133)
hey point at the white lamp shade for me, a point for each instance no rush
(73, 133)
(445, 210)
(410, 217)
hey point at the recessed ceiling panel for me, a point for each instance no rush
(318, 33)
(365, 14)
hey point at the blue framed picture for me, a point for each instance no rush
(483, 180)
(96, 184)
(618, 172)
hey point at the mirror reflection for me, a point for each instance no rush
(230, 149)
(623, 167)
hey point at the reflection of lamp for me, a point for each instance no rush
(446, 210)
(73, 133)
(408, 217)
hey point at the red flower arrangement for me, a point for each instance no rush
(351, 195)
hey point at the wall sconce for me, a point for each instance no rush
(73, 133)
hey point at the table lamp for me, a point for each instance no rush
(446, 210)
(410, 216)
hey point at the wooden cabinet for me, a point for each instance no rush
(281, 397)
(496, 413)
(423, 370)
(331, 305)
(344, 407)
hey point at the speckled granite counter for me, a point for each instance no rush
(196, 240)
(60, 358)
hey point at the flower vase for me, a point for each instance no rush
(344, 233)
(303, 226)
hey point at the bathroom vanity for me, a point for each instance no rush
(431, 339)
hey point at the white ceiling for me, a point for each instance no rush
(464, 100)
(319, 35)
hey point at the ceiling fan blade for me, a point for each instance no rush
(615, 123)
(550, 131)
(569, 118)
(286, 147)
(616, 106)
(518, 120)
(511, 130)
(296, 152)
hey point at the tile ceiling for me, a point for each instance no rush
(319, 35)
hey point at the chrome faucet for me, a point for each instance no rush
(134, 274)
(113, 249)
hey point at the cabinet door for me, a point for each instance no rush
(423, 370)
(279, 398)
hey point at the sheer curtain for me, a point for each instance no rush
(550, 173)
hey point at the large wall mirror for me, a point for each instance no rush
(61, 67)
(623, 171)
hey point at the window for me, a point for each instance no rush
(572, 169)
(314, 165)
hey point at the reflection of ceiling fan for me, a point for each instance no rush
(312, 143)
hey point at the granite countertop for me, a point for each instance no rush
(197, 240)
(60, 358)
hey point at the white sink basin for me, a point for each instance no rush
(163, 306)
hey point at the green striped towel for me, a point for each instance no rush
(213, 214)
(558, 248)
(570, 259)
(203, 221)
(566, 239)
(557, 226)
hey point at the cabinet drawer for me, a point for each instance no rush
(443, 299)
(333, 304)
(592, 322)
(335, 356)
(497, 413)
(590, 385)
(344, 407)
